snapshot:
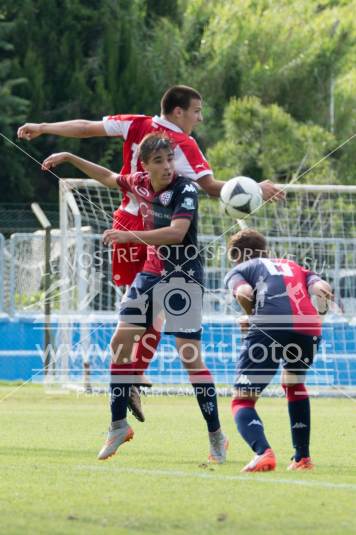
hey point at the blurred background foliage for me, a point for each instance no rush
(278, 81)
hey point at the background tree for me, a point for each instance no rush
(13, 110)
(266, 142)
(289, 53)
(289, 66)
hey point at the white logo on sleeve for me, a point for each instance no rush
(299, 425)
(188, 203)
(189, 188)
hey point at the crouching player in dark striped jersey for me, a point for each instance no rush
(282, 325)
(171, 282)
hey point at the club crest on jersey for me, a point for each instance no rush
(166, 197)
(188, 203)
(142, 191)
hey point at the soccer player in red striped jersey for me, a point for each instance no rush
(181, 111)
(282, 326)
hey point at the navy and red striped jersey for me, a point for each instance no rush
(281, 296)
(189, 160)
(179, 200)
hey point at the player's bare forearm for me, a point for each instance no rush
(174, 234)
(79, 128)
(245, 304)
(162, 236)
(209, 184)
(270, 191)
(92, 170)
(244, 323)
(245, 298)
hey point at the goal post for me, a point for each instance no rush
(315, 225)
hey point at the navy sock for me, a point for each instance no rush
(249, 425)
(299, 417)
(119, 399)
(207, 399)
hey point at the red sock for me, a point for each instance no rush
(121, 369)
(295, 392)
(201, 376)
(237, 404)
(118, 370)
(146, 349)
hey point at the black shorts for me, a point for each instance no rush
(262, 352)
(177, 296)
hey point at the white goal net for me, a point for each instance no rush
(315, 225)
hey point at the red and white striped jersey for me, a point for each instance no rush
(189, 160)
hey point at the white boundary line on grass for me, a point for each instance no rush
(251, 478)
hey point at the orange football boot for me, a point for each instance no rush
(303, 464)
(262, 463)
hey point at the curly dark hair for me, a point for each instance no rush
(246, 244)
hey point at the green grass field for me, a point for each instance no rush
(52, 483)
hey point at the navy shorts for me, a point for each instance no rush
(178, 297)
(261, 353)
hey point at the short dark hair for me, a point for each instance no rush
(152, 143)
(246, 244)
(178, 95)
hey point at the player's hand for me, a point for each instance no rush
(325, 300)
(54, 159)
(29, 131)
(322, 288)
(111, 236)
(324, 296)
(244, 324)
(271, 192)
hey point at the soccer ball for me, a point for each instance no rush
(240, 196)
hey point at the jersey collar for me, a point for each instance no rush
(170, 186)
(161, 121)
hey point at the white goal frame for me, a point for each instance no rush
(73, 223)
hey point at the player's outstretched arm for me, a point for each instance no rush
(270, 191)
(92, 170)
(163, 236)
(77, 128)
